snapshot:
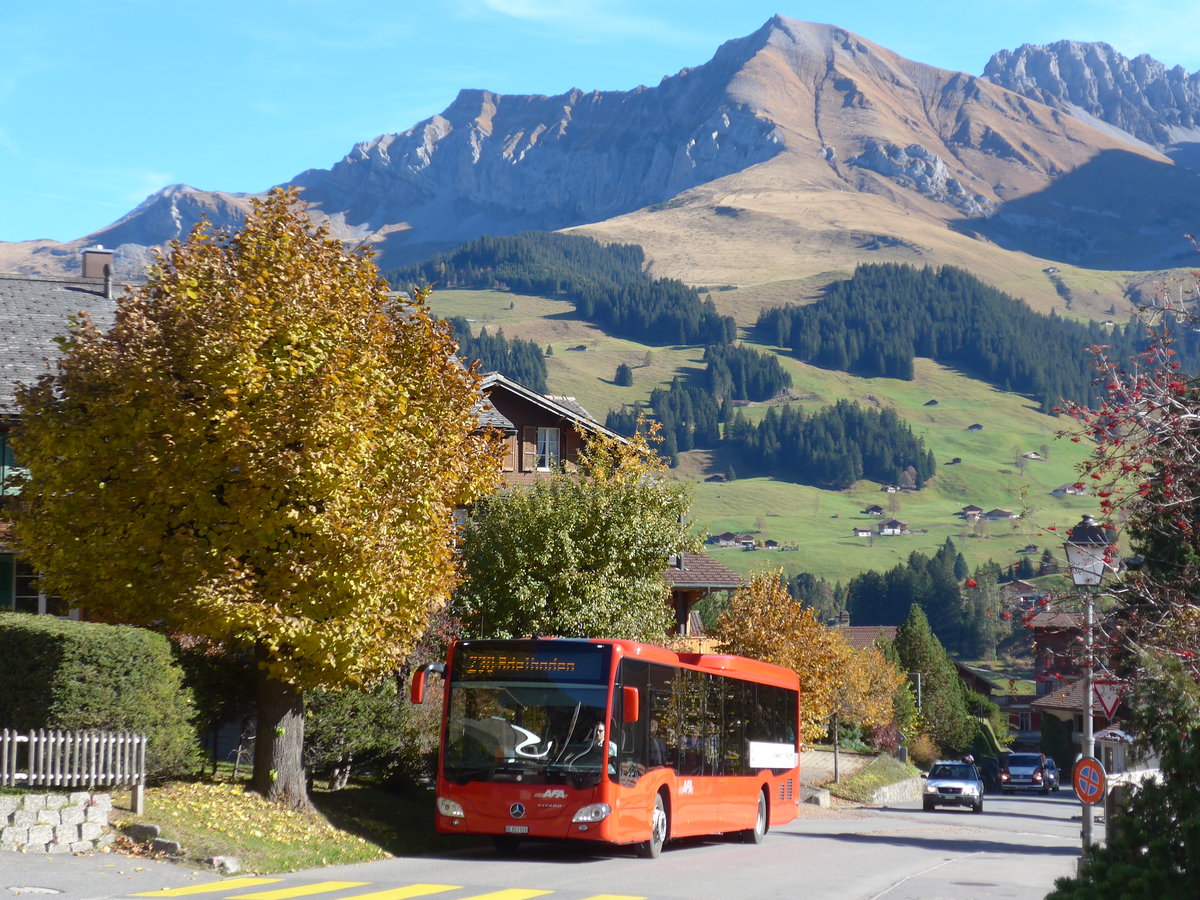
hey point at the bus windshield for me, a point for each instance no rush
(533, 716)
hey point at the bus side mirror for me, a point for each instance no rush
(630, 704)
(418, 683)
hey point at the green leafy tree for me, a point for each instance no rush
(904, 700)
(581, 556)
(351, 730)
(944, 708)
(1152, 850)
(265, 450)
(623, 376)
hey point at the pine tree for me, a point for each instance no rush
(943, 695)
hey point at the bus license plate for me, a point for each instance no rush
(516, 829)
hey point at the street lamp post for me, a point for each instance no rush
(1091, 555)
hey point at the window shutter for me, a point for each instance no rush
(528, 448)
(570, 452)
(508, 457)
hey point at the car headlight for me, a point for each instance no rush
(451, 808)
(593, 812)
(931, 788)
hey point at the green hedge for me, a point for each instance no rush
(82, 675)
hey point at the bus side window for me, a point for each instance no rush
(714, 720)
(688, 696)
(736, 762)
(665, 737)
(665, 712)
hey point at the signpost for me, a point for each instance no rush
(1089, 781)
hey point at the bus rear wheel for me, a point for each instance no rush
(755, 835)
(658, 831)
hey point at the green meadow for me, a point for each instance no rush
(939, 404)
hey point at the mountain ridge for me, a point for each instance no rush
(797, 148)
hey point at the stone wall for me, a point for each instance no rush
(55, 823)
(901, 792)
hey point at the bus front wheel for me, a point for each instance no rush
(755, 835)
(658, 831)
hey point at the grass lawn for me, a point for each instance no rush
(222, 818)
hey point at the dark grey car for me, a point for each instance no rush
(1028, 772)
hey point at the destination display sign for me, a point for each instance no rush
(536, 662)
(769, 755)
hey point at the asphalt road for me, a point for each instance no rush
(1015, 849)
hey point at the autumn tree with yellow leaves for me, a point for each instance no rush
(264, 451)
(763, 622)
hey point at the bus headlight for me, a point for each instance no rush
(451, 808)
(593, 812)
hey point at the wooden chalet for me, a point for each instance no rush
(543, 434)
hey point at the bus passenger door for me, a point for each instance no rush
(633, 791)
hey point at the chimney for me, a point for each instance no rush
(94, 261)
(843, 619)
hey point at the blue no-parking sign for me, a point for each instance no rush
(1089, 780)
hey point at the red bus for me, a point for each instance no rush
(613, 741)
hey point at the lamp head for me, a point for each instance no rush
(1090, 552)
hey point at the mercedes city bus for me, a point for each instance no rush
(613, 741)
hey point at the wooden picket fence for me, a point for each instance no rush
(79, 759)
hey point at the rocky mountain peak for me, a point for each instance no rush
(794, 116)
(1141, 96)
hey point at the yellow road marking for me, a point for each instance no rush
(304, 890)
(510, 894)
(212, 887)
(413, 890)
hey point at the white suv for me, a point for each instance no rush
(953, 783)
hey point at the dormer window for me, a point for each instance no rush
(548, 453)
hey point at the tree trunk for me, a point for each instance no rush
(837, 773)
(279, 744)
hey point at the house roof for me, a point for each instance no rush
(565, 407)
(1019, 586)
(860, 636)
(1068, 699)
(980, 675)
(699, 570)
(1114, 734)
(1062, 620)
(33, 311)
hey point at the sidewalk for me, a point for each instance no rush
(90, 877)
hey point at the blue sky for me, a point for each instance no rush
(103, 102)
